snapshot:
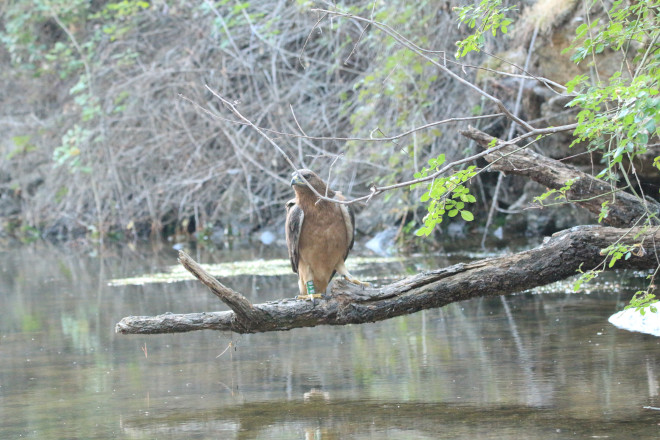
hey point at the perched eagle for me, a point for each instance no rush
(319, 235)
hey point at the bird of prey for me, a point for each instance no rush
(319, 235)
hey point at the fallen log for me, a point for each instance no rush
(558, 258)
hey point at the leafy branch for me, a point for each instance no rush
(489, 16)
(445, 195)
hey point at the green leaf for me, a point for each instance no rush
(612, 262)
(581, 30)
(467, 216)
(22, 141)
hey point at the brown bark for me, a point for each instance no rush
(587, 191)
(558, 258)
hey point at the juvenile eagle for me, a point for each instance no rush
(319, 235)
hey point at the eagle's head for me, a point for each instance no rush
(299, 177)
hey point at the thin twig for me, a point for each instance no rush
(309, 35)
(296, 121)
(371, 138)
(416, 49)
(373, 6)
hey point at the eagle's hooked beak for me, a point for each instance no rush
(297, 180)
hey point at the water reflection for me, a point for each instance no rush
(528, 365)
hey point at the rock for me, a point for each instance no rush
(456, 229)
(267, 237)
(383, 242)
(218, 236)
(634, 321)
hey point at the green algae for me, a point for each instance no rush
(274, 267)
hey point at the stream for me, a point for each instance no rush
(544, 363)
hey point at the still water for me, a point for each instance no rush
(546, 366)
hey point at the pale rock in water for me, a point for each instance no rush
(634, 321)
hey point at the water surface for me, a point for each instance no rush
(530, 365)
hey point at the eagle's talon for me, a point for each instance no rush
(309, 297)
(350, 279)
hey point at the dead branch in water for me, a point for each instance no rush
(558, 258)
(587, 191)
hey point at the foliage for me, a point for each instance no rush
(52, 37)
(22, 146)
(616, 117)
(117, 17)
(643, 300)
(560, 194)
(445, 195)
(489, 16)
(449, 195)
(619, 116)
(30, 31)
(69, 152)
(399, 90)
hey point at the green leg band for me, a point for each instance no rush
(310, 288)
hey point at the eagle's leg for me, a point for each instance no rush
(341, 270)
(307, 290)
